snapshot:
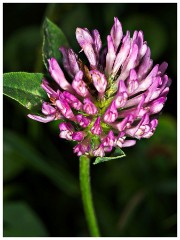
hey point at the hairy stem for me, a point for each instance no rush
(87, 196)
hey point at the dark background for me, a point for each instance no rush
(134, 196)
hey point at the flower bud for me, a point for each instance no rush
(132, 82)
(97, 42)
(116, 33)
(96, 129)
(109, 139)
(99, 151)
(111, 113)
(83, 121)
(123, 53)
(58, 75)
(47, 109)
(66, 131)
(78, 136)
(110, 57)
(89, 107)
(157, 105)
(70, 61)
(79, 85)
(72, 100)
(65, 109)
(99, 80)
(121, 96)
(130, 63)
(51, 93)
(85, 40)
(81, 149)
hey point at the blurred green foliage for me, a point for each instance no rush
(134, 196)
(30, 224)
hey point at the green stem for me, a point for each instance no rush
(87, 197)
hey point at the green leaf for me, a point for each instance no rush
(24, 88)
(21, 221)
(118, 153)
(53, 39)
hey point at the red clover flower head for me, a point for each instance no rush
(113, 100)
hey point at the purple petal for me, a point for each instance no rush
(90, 54)
(66, 126)
(99, 80)
(78, 136)
(72, 100)
(66, 135)
(130, 63)
(73, 62)
(44, 119)
(137, 111)
(140, 128)
(111, 55)
(85, 40)
(157, 105)
(70, 61)
(96, 129)
(164, 92)
(163, 68)
(123, 53)
(122, 96)
(146, 83)
(132, 82)
(83, 121)
(120, 139)
(97, 42)
(152, 90)
(65, 109)
(108, 149)
(81, 149)
(47, 109)
(51, 93)
(89, 107)
(125, 123)
(151, 93)
(83, 36)
(116, 33)
(99, 152)
(66, 130)
(145, 65)
(65, 59)
(129, 143)
(58, 75)
(153, 125)
(109, 139)
(111, 113)
(79, 85)
(138, 39)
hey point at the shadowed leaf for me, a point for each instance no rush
(21, 221)
(53, 39)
